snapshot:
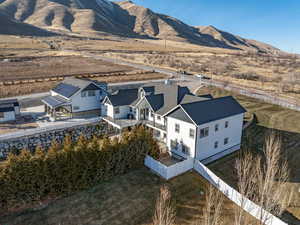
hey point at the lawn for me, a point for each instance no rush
(127, 199)
(270, 117)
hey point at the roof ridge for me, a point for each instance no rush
(213, 99)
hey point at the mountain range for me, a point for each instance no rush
(97, 17)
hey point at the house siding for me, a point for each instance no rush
(86, 103)
(183, 135)
(205, 147)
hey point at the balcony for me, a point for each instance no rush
(155, 126)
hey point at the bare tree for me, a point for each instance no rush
(263, 178)
(212, 211)
(246, 186)
(164, 211)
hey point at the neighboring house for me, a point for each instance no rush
(75, 98)
(198, 126)
(9, 110)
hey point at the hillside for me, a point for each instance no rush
(11, 27)
(120, 18)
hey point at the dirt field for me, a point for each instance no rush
(42, 67)
(128, 199)
(286, 122)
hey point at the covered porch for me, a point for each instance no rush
(57, 108)
(120, 123)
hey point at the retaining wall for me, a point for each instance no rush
(44, 137)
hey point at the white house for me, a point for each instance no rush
(206, 128)
(9, 110)
(197, 126)
(75, 98)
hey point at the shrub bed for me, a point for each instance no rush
(72, 166)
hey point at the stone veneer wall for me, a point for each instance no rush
(44, 139)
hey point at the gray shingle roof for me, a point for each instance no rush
(55, 101)
(70, 86)
(215, 109)
(123, 97)
(7, 108)
(181, 115)
(9, 101)
(165, 97)
(65, 90)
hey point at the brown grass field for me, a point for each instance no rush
(128, 199)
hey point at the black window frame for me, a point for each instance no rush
(217, 127)
(177, 125)
(226, 141)
(192, 133)
(216, 145)
(204, 132)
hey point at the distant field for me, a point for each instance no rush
(40, 67)
(38, 87)
(285, 121)
(128, 199)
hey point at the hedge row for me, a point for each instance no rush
(71, 167)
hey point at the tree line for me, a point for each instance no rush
(72, 166)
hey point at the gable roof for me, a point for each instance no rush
(14, 102)
(70, 86)
(180, 114)
(164, 97)
(215, 109)
(123, 97)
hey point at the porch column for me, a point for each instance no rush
(54, 114)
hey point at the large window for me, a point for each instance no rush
(117, 110)
(91, 93)
(226, 140)
(1, 115)
(192, 133)
(83, 94)
(204, 132)
(76, 107)
(177, 128)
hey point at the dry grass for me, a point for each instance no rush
(128, 199)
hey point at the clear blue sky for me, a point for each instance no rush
(276, 22)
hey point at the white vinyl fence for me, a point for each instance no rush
(168, 172)
(236, 197)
